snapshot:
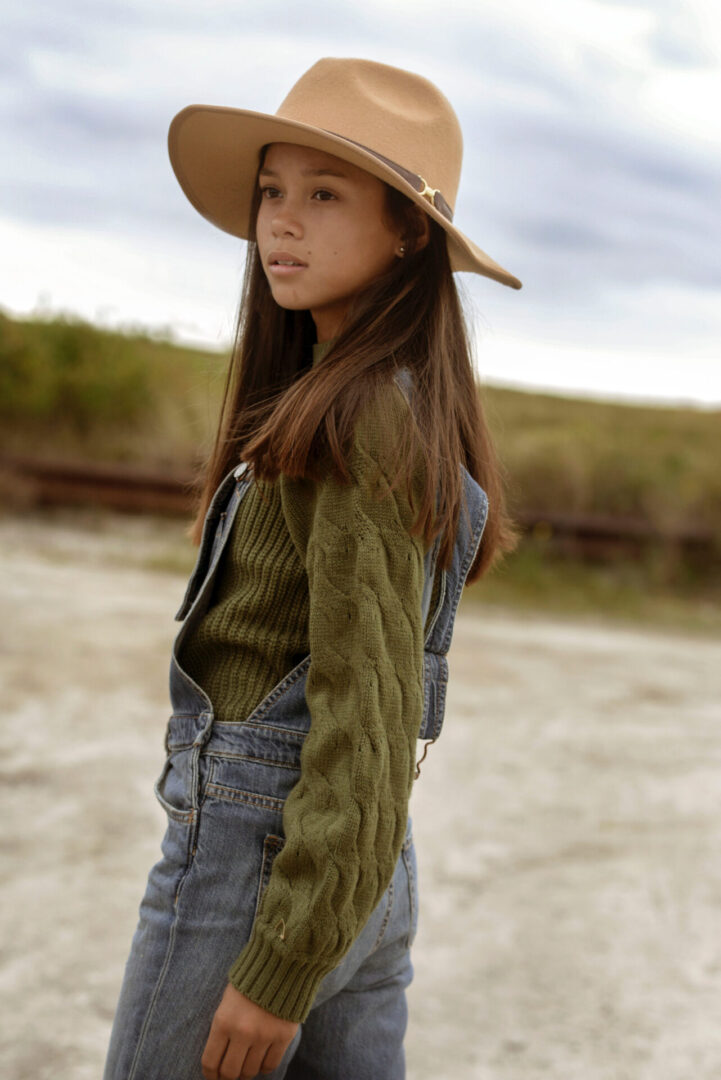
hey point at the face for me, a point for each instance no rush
(322, 232)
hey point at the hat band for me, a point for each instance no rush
(416, 181)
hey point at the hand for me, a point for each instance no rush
(244, 1039)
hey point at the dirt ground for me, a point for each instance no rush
(568, 826)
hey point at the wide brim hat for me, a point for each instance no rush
(396, 125)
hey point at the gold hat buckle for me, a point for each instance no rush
(428, 192)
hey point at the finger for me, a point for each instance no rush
(213, 1053)
(273, 1057)
(231, 1067)
(253, 1061)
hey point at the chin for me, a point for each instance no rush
(291, 305)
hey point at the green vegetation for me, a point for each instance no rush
(659, 464)
(69, 369)
(70, 389)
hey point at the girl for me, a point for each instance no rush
(342, 512)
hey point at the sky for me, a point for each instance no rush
(591, 170)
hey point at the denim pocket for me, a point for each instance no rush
(184, 776)
(408, 853)
(272, 844)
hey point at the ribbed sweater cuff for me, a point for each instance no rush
(275, 979)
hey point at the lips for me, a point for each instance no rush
(284, 258)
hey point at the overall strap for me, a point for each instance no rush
(471, 523)
(222, 505)
(472, 520)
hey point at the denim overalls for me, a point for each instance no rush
(222, 786)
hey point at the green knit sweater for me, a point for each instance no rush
(326, 569)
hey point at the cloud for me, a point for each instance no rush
(620, 196)
(590, 167)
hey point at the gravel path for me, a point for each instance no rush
(568, 825)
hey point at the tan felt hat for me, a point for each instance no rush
(392, 123)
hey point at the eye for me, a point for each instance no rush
(322, 195)
(269, 192)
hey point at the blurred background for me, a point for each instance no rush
(586, 668)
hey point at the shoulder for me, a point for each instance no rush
(381, 425)
(375, 491)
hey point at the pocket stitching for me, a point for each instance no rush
(224, 793)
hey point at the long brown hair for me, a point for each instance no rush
(281, 413)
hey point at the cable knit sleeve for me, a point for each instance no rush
(345, 819)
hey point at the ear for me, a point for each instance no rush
(420, 227)
(424, 230)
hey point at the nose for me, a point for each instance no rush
(285, 220)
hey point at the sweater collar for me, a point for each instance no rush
(319, 350)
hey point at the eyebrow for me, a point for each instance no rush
(309, 172)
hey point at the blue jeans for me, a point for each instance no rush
(223, 786)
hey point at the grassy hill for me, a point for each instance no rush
(70, 389)
(67, 386)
